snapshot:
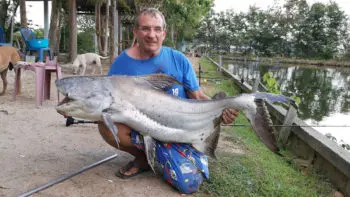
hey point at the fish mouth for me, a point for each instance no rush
(60, 104)
(65, 101)
(63, 104)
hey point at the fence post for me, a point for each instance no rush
(199, 74)
(230, 68)
(256, 85)
(284, 132)
(220, 63)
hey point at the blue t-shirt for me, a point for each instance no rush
(168, 61)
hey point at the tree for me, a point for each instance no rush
(55, 26)
(184, 18)
(72, 23)
(22, 4)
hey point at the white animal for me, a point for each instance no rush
(83, 60)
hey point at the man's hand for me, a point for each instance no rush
(229, 115)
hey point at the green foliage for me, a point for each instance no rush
(296, 99)
(39, 33)
(319, 31)
(271, 83)
(184, 17)
(86, 33)
(86, 42)
(272, 86)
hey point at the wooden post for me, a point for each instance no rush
(284, 132)
(199, 74)
(230, 68)
(220, 63)
(256, 85)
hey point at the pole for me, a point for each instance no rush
(68, 176)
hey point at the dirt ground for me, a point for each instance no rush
(36, 147)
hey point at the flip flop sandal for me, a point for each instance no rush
(127, 168)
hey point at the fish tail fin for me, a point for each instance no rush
(262, 125)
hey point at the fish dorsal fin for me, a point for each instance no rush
(160, 81)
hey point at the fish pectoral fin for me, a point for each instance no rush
(150, 151)
(109, 123)
(210, 144)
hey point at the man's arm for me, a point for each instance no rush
(228, 115)
(198, 94)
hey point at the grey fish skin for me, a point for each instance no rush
(140, 103)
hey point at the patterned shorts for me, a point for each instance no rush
(183, 166)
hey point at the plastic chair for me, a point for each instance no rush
(35, 45)
(2, 38)
(42, 79)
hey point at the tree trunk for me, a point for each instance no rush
(54, 25)
(98, 26)
(172, 34)
(58, 33)
(22, 4)
(72, 24)
(119, 33)
(111, 31)
(3, 12)
(106, 28)
(12, 20)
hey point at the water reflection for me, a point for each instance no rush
(324, 92)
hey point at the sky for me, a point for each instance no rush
(36, 14)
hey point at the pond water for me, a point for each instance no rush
(324, 93)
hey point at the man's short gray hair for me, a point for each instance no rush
(150, 11)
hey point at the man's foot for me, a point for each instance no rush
(132, 169)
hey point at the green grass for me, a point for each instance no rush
(258, 172)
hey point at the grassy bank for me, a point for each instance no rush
(257, 172)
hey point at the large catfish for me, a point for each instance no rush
(141, 103)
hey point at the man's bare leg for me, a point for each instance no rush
(125, 145)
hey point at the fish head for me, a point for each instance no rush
(85, 97)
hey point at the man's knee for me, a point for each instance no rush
(123, 135)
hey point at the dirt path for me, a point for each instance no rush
(36, 147)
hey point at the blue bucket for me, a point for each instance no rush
(38, 43)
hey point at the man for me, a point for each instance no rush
(146, 57)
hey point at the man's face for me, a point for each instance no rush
(150, 33)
